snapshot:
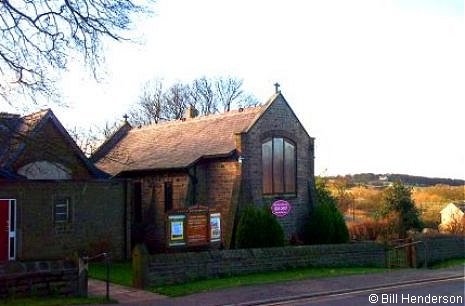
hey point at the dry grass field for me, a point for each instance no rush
(367, 200)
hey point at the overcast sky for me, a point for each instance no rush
(379, 84)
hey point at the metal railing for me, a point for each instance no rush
(107, 259)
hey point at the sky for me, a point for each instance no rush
(379, 84)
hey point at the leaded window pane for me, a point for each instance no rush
(267, 166)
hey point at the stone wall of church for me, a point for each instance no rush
(280, 121)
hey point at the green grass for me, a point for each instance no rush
(55, 301)
(449, 263)
(120, 272)
(258, 278)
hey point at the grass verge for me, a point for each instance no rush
(258, 278)
(55, 301)
(449, 263)
(120, 272)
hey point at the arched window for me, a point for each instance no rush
(279, 166)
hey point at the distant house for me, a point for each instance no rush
(186, 172)
(451, 216)
(53, 201)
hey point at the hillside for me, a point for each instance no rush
(384, 179)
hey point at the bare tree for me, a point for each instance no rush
(109, 128)
(231, 94)
(203, 92)
(178, 97)
(89, 139)
(36, 37)
(228, 89)
(86, 139)
(151, 103)
(247, 100)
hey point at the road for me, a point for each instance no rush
(341, 291)
(446, 292)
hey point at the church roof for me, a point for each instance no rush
(17, 132)
(177, 144)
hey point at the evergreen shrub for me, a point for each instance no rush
(258, 228)
(326, 224)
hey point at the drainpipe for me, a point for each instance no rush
(125, 217)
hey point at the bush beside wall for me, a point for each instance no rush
(258, 228)
(327, 225)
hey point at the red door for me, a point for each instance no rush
(4, 229)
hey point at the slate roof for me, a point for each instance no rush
(178, 144)
(14, 131)
(17, 131)
(460, 206)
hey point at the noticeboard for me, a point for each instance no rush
(197, 229)
(215, 227)
(193, 227)
(176, 230)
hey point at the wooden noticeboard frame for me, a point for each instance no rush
(197, 229)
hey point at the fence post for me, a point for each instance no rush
(414, 256)
(82, 277)
(140, 262)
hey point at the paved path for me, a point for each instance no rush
(262, 294)
(124, 295)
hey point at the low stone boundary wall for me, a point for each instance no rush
(39, 278)
(152, 270)
(439, 248)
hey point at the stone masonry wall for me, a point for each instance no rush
(280, 121)
(215, 183)
(40, 278)
(97, 218)
(439, 248)
(153, 204)
(183, 267)
(219, 179)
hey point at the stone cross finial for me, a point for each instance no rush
(276, 87)
(125, 117)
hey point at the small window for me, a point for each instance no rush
(168, 196)
(279, 166)
(137, 197)
(61, 210)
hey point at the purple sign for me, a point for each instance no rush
(280, 208)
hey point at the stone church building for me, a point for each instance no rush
(185, 172)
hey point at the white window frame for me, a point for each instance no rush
(12, 231)
(56, 203)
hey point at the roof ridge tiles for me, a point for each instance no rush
(175, 122)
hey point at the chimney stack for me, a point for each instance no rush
(191, 112)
